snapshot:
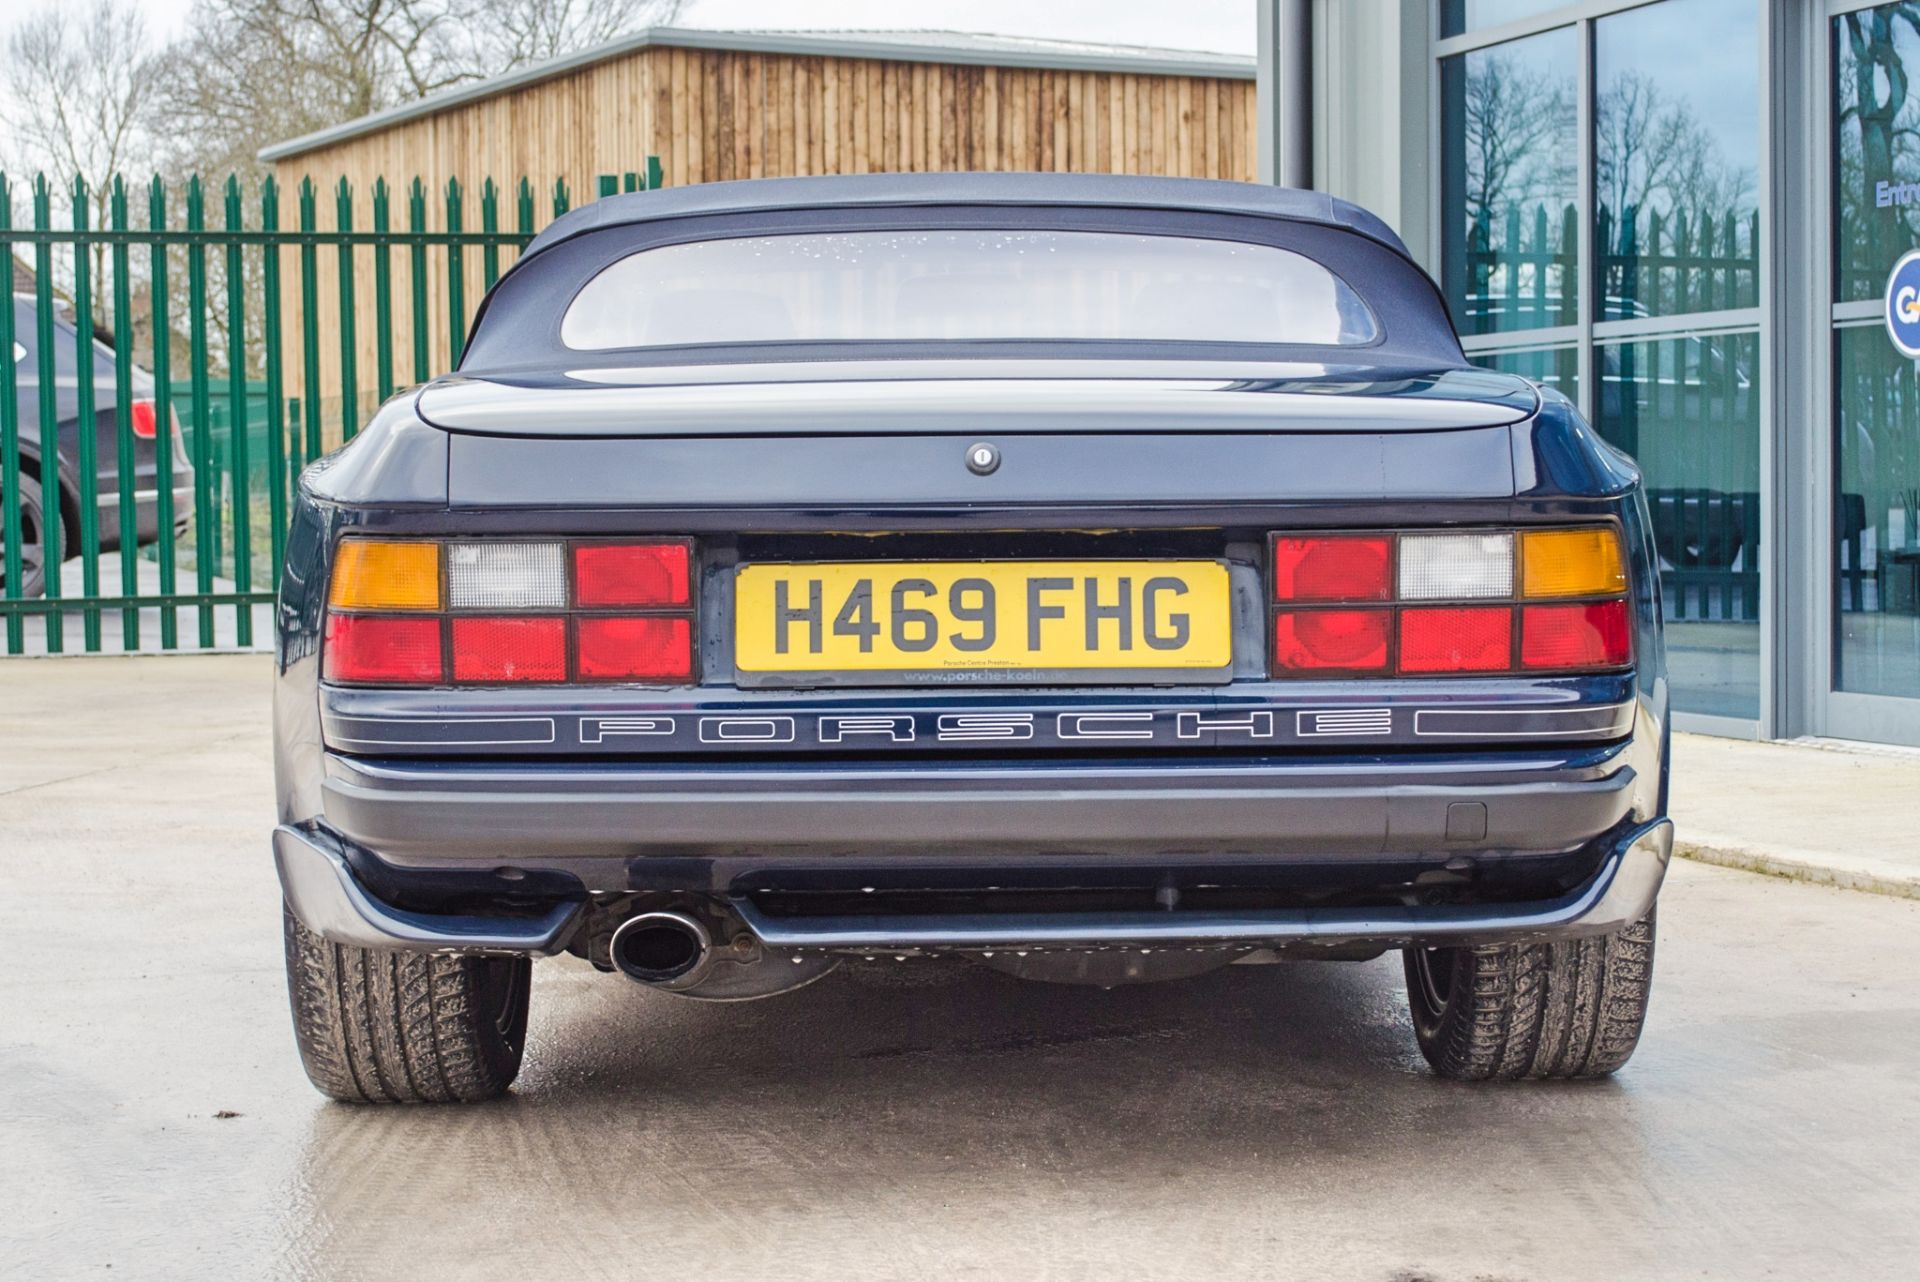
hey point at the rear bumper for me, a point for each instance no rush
(594, 819)
(323, 892)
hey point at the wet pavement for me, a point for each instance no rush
(895, 1120)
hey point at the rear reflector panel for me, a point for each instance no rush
(1333, 569)
(1474, 639)
(627, 575)
(509, 649)
(1330, 641)
(613, 648)
(1599, 635)
(385, 651)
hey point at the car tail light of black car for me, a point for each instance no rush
(1450, 601)
(419, 612)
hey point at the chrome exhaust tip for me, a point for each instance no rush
(662, 949)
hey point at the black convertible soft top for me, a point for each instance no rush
(899, 190)
(516, 333)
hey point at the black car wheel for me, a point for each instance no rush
(33, 546)
(1573, 1008)
(381, 1027)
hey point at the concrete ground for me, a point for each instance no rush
(893, 1121)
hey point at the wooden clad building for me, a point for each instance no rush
(715, 105)
(720, 104)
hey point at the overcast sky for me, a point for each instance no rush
(1225, 25)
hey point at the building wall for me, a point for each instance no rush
(713, 115)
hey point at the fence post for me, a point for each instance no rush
(52, 538)
(382, 289)
(349, 347)
(417, 260)
(11, 557)
(310, 314)
(276, 382)
(205, 527)
(87, 444)
(456, 276)
(163, 442)
(123, 414)
(490, 226)
(237, 416)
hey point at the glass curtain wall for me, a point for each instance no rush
(1600, 235)
(1875, 59)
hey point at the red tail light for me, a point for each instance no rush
(1450, 601)
(1575, 636)
(1333, 569)
(634, 649)
(1447, 640)
(1326, 641)
(641, 574)
(510, 649)
(146, 422)
(384, 651)
(417, 612)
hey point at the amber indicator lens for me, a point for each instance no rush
(1568, 563)
(379, 574)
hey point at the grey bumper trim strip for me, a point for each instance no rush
(1622, 892)
(323, 893)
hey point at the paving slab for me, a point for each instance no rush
(894, 1121)
(1846, 815)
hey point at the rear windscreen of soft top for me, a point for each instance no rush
(935, 280)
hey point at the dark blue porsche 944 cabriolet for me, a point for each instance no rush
(1101, 579)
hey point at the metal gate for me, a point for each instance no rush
(145, 502)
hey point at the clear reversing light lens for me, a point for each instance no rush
(506, 576)
(1449, 567)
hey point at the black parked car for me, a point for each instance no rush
(146, 470)
(1101, 579)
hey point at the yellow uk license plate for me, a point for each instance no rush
(960, 621)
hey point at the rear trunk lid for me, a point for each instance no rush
(918, 398)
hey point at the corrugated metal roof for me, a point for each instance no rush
(951, 47)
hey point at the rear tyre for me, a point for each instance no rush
(1569, 1009)
(33, 541)
(381, 1027)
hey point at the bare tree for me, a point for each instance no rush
(1519, 134)
(255, 72)
(1879, 135)
(509, 34)
(1654, 154)
(80, 84)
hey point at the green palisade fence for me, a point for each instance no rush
(258, 364)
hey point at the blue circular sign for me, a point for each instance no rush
(1903, 305)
